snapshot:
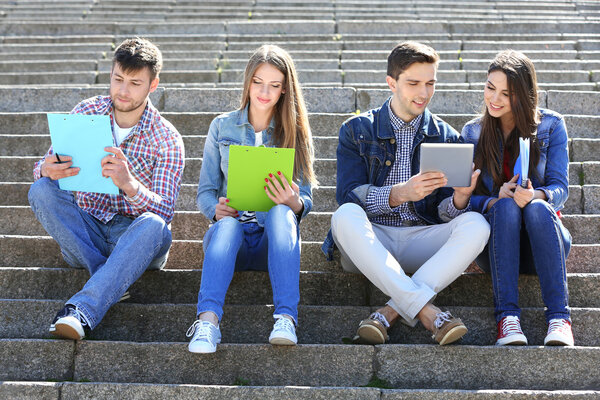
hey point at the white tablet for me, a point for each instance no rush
(455, 160)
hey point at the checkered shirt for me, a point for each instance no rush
(155, 157)
(377, 201)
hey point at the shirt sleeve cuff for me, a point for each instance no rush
(453, 211)
(548, 195)
(378, 200)
(141, 198)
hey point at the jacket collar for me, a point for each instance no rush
(385, 131)
(243, 118)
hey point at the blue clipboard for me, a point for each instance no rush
(84, 138)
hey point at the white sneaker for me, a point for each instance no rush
(284, 332)
(559, 333)
(205, 337)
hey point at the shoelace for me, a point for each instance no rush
(203, 331)
(284, 324)
(559, 325)
(381, 318)
(441, 318)
(511, 326)
(80, 317)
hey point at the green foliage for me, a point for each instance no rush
(375, 382)
(241, 382)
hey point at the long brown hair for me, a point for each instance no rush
(523, 97)
(291, 118)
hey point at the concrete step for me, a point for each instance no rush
(42, 251)
(253, 323)
(322, 124)
(324, 100)
(582, 199)
(19, 169)
(332, 365)
(191, 225)
(253, 288)
(580, 150)
(93, 390)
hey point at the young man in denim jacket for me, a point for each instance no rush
(389, 222)
(115, 237)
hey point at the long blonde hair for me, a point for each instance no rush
(292, 129)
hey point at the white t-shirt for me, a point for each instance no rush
(121, 133)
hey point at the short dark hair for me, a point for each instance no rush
(407, 53)
(138, 53)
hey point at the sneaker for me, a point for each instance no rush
(510, 333)
(283, 333)
(373, 330)
(69, 323)
(205, 337)
(447, 329)
(559, 333)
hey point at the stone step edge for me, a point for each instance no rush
(65, 390)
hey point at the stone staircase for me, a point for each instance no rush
(55, 53)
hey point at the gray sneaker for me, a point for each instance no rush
(205, 337)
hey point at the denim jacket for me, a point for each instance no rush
(227, 129)
(367, 150)
(552, 171)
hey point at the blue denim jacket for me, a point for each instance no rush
(227, 129)
(366, 152)
(552, 170)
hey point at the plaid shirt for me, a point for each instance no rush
(378, 199)
(155, 157)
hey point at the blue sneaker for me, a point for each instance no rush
(69, 323)
(205, 337)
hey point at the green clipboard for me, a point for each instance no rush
(248, 168)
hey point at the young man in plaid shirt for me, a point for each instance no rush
(115, 237)
(389, 222)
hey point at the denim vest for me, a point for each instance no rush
(227, 129)
(551, 174)
(367, 150)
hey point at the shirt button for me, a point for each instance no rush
(392, 141)
(388, 163)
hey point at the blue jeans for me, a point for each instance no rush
(115, 254)
(529, 240)
(232, 246)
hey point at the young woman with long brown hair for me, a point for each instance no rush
(272, 113)
(527, 235)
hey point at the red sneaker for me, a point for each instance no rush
(509, 332)
(559, 333)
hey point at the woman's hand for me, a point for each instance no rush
(280, 192)
(508, 189)
(222, 210)
(523, 196)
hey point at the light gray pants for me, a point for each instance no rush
(435, 254)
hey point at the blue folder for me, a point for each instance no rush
(84, 138)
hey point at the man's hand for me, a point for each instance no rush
(416, 188)
(115, 167)
(523, 196)
(222, 210)
(54, 169)
(281, 192)
(508, 189)
(463, 194)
